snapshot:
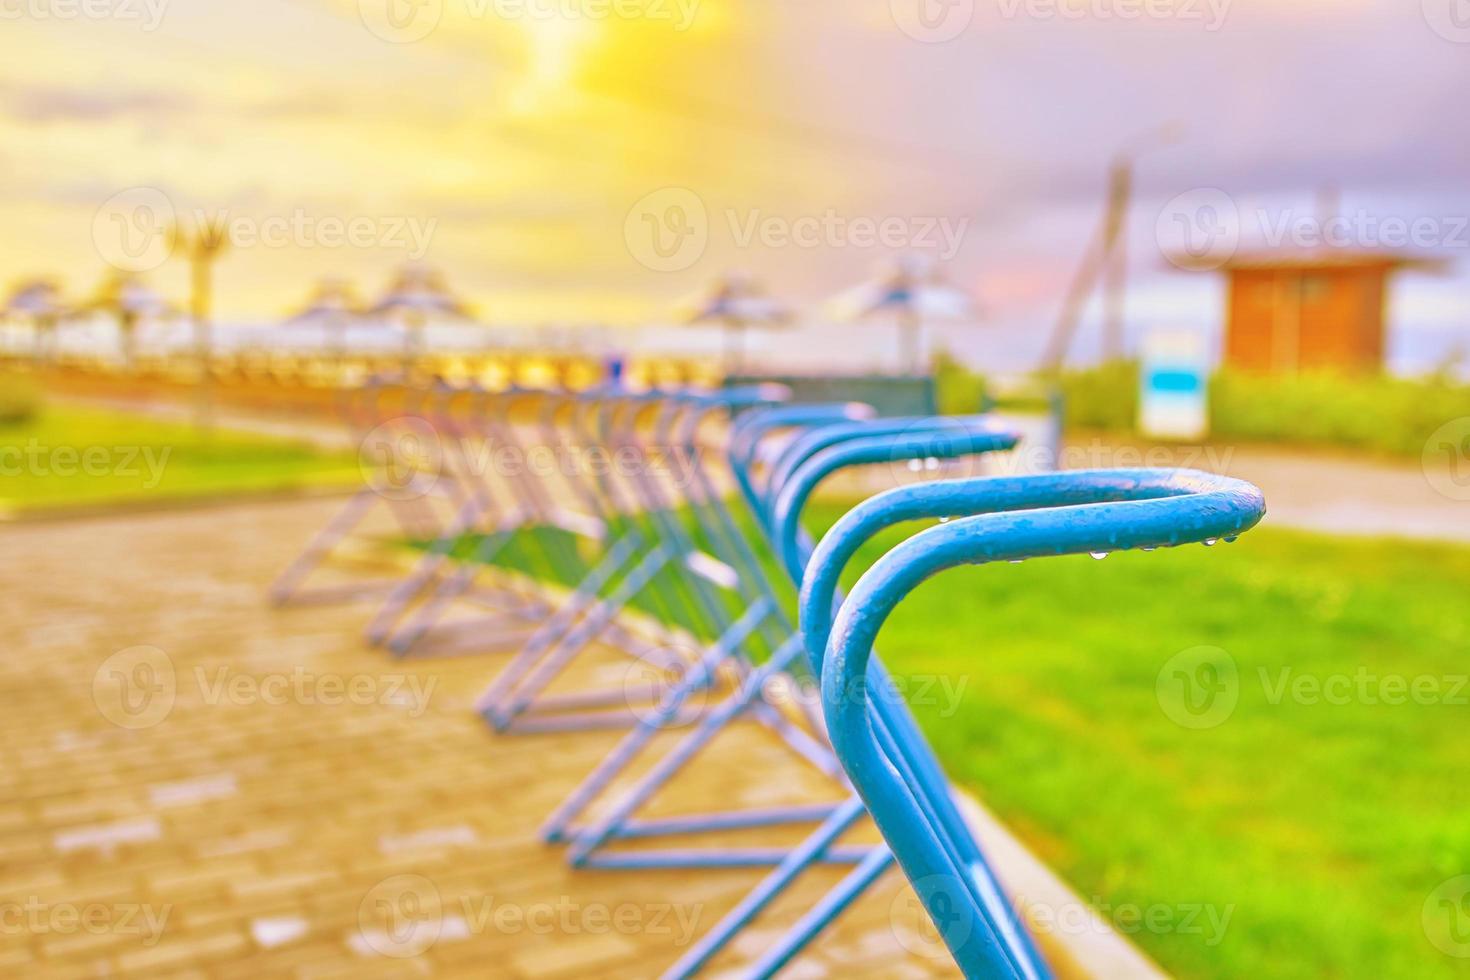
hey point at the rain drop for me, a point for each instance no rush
(1210, 542)
(1099, 555)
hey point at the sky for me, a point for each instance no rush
(598, 160)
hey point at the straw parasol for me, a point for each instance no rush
(40, 302)
(417, 295)
(736, 302)
(911, 290)
(333, 305)
(131, 301)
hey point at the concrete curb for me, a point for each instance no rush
(1090, 948)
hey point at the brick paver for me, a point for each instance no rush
(196, 784)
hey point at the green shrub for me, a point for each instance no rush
(1376, 413)
(1102, 397)
(957, 389)
(1381, 414)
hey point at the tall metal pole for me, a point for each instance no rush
(1115, 281)
(910, 327)
(1055, 355)
(1106, 259)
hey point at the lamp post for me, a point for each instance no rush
(1120, 197)
(1107, 258)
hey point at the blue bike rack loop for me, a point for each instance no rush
(997, 520)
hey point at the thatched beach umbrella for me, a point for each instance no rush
(416, 296)
(911, 290)
(38, 301)
(130, 301)
(333, 305)
(736, 302)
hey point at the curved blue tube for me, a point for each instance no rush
(898, 731)
(950, 439)
(752, 427)
(810, 443)
(1067, 513)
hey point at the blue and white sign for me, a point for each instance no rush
(1174, 402)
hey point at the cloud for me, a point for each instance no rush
(47, 104)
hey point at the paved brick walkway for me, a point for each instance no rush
(196, 784)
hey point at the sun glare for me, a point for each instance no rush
(556, 49)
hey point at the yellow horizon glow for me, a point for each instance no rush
(488, 127)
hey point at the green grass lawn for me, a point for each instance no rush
(1320, 829)
(66, 456)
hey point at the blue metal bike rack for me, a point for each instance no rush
(796, 472)
(1001, 519)
(362, 410)
(583, 511)
(502, 518)
(682, 555)
(645, 559)
(489, 516)
(759, 605)
(756, 606)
